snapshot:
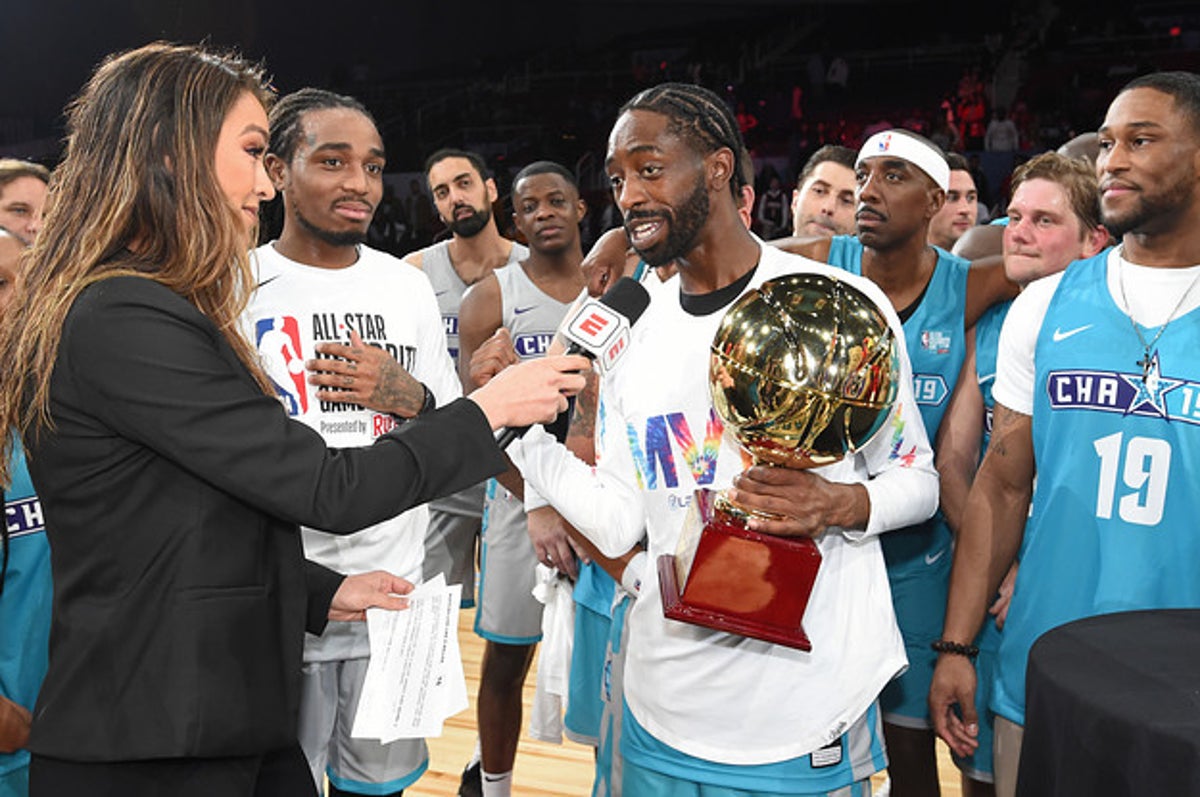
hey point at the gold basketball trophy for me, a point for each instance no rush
(803, 371)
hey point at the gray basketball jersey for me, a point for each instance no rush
(531, 315)
(508, 612)
(448, 287)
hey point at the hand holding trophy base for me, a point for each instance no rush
(803, 371)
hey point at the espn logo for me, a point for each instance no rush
(601, 332)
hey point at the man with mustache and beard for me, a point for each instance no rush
(463, 194)
(1116, 467)
(369, 325)
(902, 179)
(703, 708)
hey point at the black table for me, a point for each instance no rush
(1113, 707)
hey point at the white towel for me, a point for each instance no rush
(554, 590)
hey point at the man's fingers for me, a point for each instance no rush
(784, 528)
(343, 396)
(322, 365)
(564, 558)
(578, 550)
(340, 351)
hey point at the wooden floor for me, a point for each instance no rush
(542, 770)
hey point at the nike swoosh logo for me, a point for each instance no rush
(266, 281)
(931, 559)
(519, 310)
(1060, 336)
(440, 293)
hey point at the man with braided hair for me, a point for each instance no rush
(707, 711)
(350, 331)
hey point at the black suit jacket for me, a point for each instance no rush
(172, 489)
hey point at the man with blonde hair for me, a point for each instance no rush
(1053, 219)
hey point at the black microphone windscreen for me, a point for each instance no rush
(627, 297)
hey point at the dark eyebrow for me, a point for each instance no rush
(337, 146)
(897, 163)
(342, 146)
(1135, 125)
(453, 179)
(548, 195)
(638, 150)
(253, 128)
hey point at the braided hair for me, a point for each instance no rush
(700, 117)
(287, 117)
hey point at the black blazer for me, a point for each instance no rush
(172, 489)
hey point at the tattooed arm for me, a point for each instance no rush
(365, 375)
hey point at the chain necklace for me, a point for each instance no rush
(1147, 359)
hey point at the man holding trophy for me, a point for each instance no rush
(707, 707)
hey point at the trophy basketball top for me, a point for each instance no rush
(803, 370)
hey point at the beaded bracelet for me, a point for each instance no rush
(955, 648)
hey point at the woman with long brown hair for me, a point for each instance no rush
(171, 480)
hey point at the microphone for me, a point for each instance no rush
(599, 330)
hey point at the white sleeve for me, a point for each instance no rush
(1018, 341)
(903, 483)
(533, 499)
(603, 502)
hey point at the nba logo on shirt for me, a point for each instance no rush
(936, 341)
(278, 341)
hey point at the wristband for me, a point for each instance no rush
(430, 401)
(955, 648)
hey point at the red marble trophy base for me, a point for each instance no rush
(727, 577)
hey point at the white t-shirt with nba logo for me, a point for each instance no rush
(392, 306)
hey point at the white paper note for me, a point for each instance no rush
(414, 679)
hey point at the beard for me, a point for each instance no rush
(470, 226)
(1151, 211)
(332, 237)
(683, 228)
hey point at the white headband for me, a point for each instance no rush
(904, 147)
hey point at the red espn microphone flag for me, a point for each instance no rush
(600, 329)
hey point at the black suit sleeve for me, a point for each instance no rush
(157, 372)
(322, 584)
